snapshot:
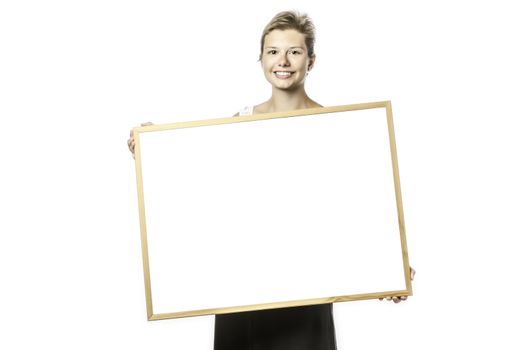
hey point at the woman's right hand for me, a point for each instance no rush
(131, 140)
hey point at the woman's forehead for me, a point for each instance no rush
(284, 38)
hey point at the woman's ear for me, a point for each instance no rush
(311, 62)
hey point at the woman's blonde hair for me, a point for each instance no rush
(292, 20)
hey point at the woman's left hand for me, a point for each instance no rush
(402, 298)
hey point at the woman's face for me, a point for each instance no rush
(285, 60)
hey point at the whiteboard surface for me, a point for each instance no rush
(244, 213)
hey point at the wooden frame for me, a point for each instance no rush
(393, 257)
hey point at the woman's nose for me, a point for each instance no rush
(283, 60)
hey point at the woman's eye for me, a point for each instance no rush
(295, 52)
(272, 52)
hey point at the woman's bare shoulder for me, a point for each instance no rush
(261, 108)
(313, 104)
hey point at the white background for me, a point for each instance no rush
(76, 75)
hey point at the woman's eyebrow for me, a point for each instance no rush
(291, 47)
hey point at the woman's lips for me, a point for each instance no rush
(283, 74)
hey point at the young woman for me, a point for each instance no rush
(287, 55)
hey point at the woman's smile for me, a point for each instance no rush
(283, 74)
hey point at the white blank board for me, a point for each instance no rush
(239, 213)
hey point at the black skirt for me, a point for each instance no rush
(295, 328)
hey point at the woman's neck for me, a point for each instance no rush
(284, 100)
